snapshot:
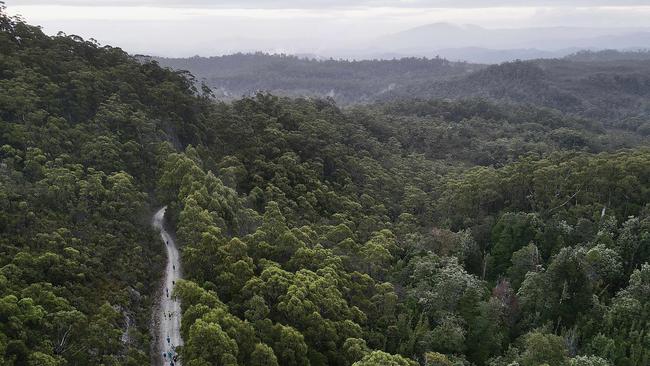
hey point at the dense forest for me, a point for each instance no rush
(613, 91)
(609, 86)
(409, 232)
(609, 55)
(233, 76)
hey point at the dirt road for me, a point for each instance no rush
(169, 314)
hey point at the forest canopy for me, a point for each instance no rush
(406, 232)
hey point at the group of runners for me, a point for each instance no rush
(171, 354)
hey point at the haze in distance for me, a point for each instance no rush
(476, 31)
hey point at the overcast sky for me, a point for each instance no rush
(188, 27)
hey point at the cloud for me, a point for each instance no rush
(600, 17)
(187, 27)
(321, 4)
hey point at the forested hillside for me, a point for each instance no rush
(82, 128)
(428, 232)
(614, 91)
(233, 76)
(609, 86)
(609, 55)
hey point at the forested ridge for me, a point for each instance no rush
(347, 82)
(608, 86)
(431, 232)
(613, 91)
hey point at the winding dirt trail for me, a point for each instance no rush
(169, 314)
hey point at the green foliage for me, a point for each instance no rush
(588, 361)
(540, 349)
(209, 344)
(80, 129)
(511, 233)
(383, 358)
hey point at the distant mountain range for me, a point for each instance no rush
(479, 55)
(481, 45)
(453, 42)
